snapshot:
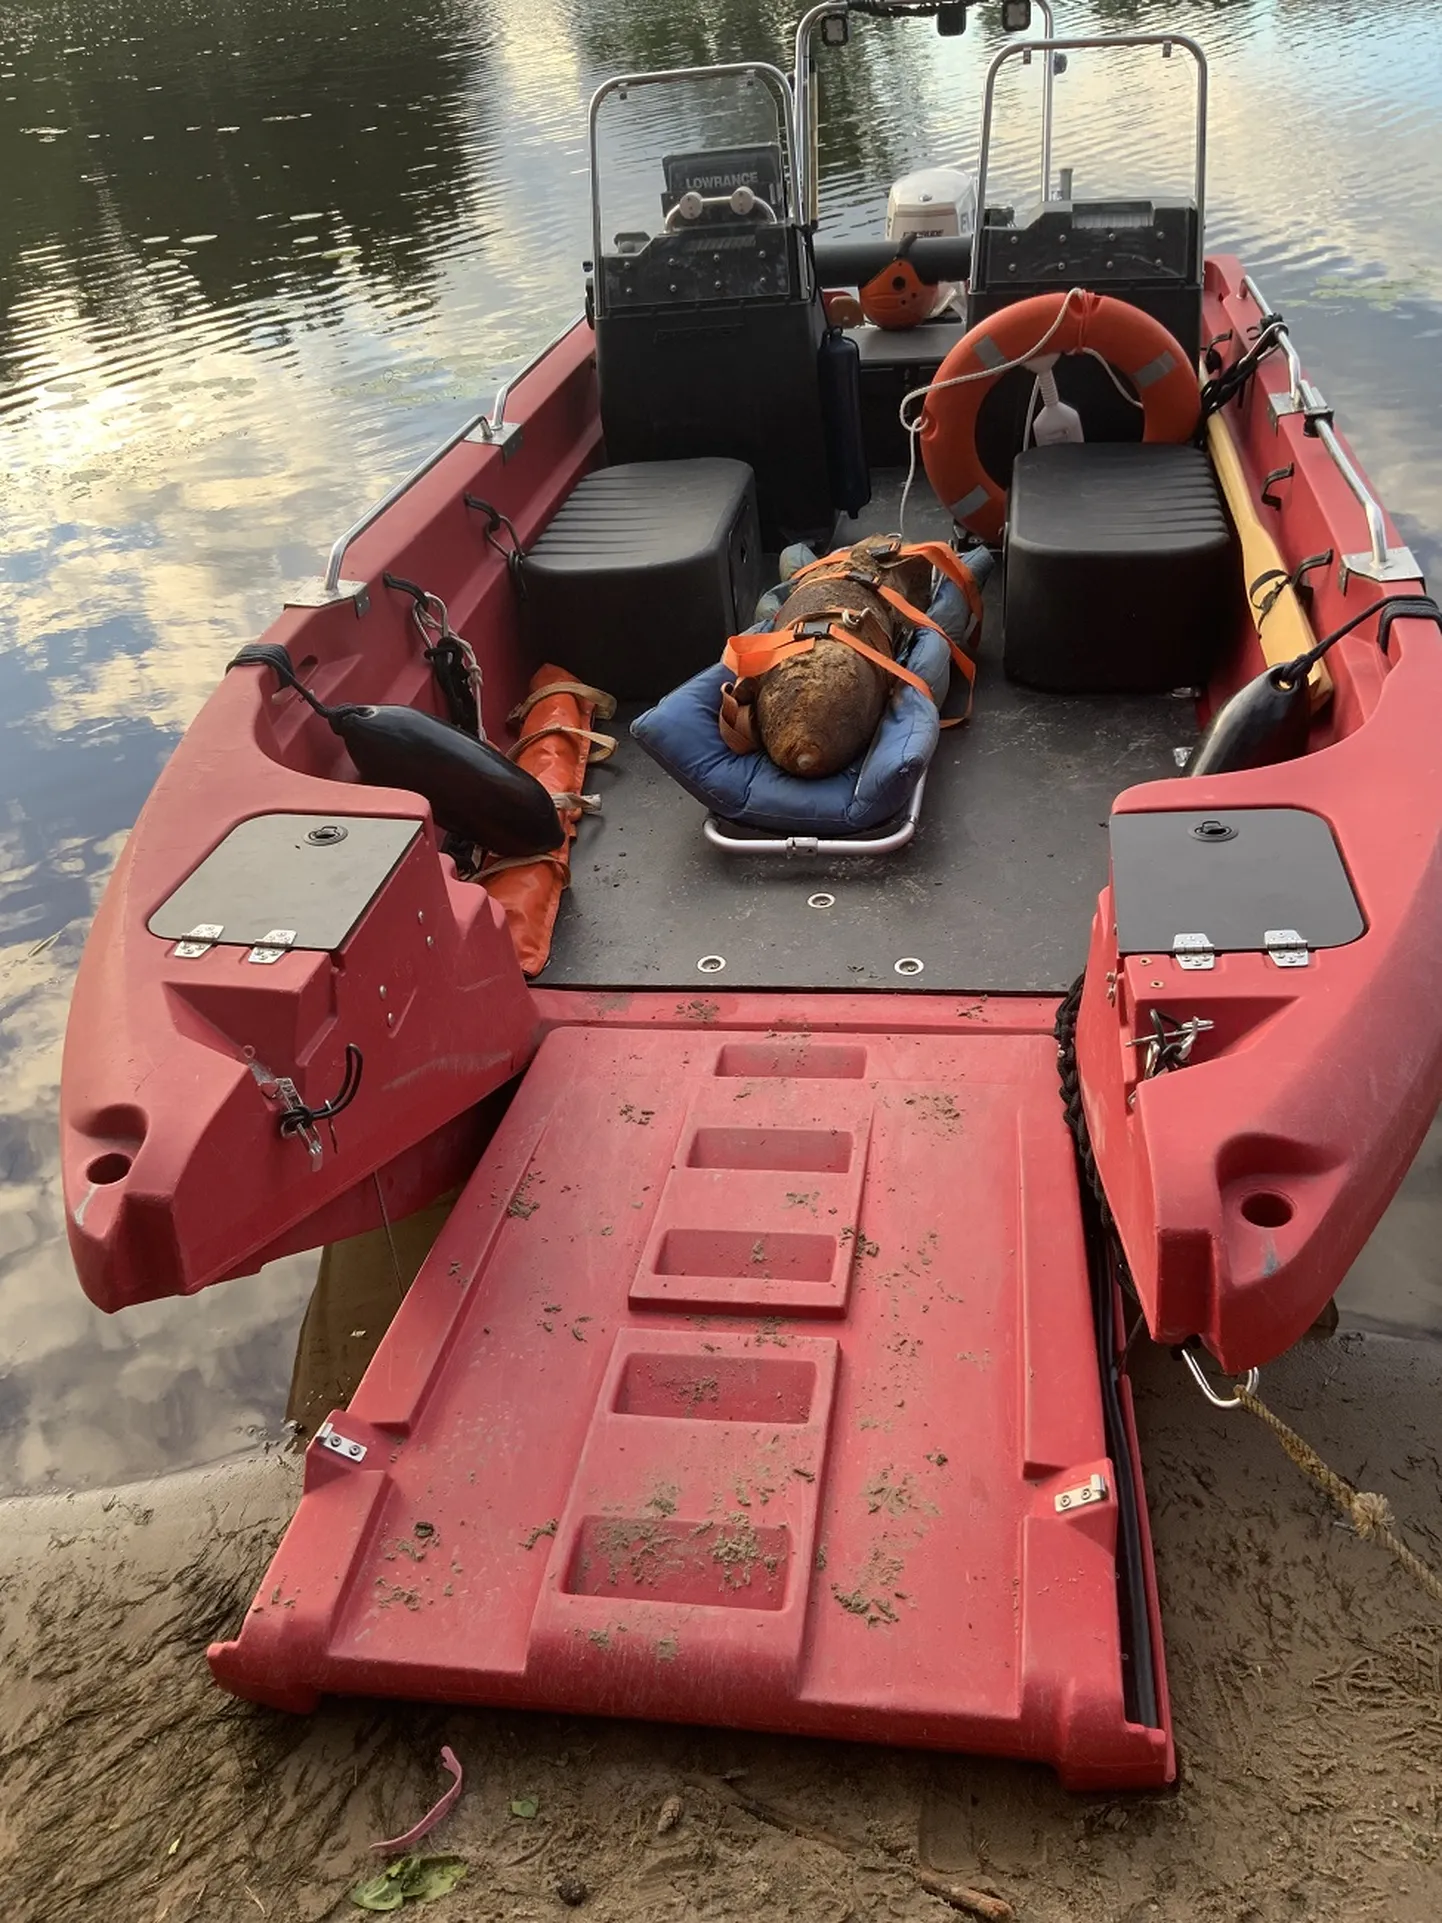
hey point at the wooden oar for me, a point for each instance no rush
(1285, 632)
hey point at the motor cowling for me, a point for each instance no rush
(933, 202)
(897, 297)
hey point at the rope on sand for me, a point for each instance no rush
(1369, 1514)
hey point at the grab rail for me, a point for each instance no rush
(1295, 404)
(492, 428)
(1377, 562)
(1085, 42)
(1371, 507)
(807, 120)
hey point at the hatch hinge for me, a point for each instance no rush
(198, 941)
(1093, 1490)
(1286, 948)
(1194, 951)
(339, 1445)
(270, 948)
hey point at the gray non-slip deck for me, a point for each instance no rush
(995, 892)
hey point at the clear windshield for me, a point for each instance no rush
(701, 152)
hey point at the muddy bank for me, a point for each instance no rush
(1304, 1673)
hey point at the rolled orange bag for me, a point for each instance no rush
(556, 745)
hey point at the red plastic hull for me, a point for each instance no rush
(1313, 1088)
(1316, 1085)
(175, 1174)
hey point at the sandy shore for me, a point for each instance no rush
(1306, 1674)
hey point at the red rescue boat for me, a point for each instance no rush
(768, 1370)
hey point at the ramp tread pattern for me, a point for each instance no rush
(739, 1388)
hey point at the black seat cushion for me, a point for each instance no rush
(1121, 576)
(644, 573)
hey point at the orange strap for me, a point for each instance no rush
(736, 724)
(761, 652)
(603, 746)
(752, 655)
(603, 703)
(942, 557)
(947, 562)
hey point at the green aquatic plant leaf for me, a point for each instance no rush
(1385, 294)
(377, 1893)
(410, 1879)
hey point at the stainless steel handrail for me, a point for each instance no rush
(1371, 507)
(490, 425)
(1085, 43)
(1379, 562)
(807, 121)
(733, 69)
(1284, 341)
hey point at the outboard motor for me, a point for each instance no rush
(936, 203)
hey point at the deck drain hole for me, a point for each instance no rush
(105, 1169)
(909, 965)
(1214, 831)
(328, 832)
(821, 901)
(711, 964)
(1266, 1209)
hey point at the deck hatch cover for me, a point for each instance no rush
(822, 1504)
(1237, 873)
(312, 874)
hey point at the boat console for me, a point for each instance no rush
(710, 334)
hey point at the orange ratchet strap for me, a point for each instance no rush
(751, 655)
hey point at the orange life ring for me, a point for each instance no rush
(1141, 348)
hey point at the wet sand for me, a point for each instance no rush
(1304, 1671)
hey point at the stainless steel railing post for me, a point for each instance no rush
(492, 428)
(1024, 49)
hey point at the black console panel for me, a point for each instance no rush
(1141, 251)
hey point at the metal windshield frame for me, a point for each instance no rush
(807, 119)
(1024, 49)
(762, 70)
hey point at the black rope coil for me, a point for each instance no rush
(1071, 1099)
(1228, 382)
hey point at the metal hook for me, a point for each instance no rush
(1170, 1044)
(514, 556)
(1247, 1383)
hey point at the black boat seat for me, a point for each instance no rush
(1120, 572)
(644, 573)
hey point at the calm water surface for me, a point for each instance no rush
(255, 259)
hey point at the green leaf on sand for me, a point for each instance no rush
(525, 1806)
(410, 1879)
